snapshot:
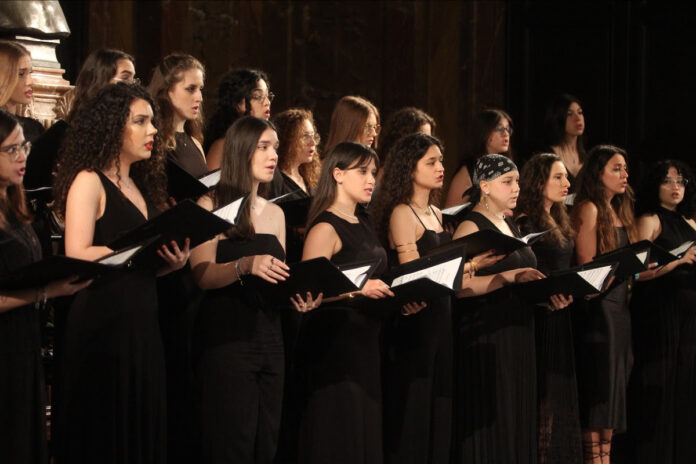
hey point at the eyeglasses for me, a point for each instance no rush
(262, 97)
(307, 137)
(503, 129)
(16, 149)
(372, 128)
(678, 182)
(135, 80)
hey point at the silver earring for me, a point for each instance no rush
(485, 200)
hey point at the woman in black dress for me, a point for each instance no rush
(112, 382)
(603, 218)
(238, 344)
(22, 387)
(543, 187)
(662, 390)
(16, 85)
(338, 352)
(494, 349)
(242, 92)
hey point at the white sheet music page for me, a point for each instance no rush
(642, 256)
(681, 249)
(454, 210)
(230, 212)
(210, 180)
(443, 274)
(533, 235)
(357, 275)
(119, 258)
(596, 276)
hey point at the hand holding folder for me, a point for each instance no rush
(488, 239)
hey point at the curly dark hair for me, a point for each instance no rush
(555, 123)
(96, 73)
(396, 185)
(400, 123)
(289, 124)
(13, 204)
(236, 178)
(533, 178)
(165, 76)
(94, 139)
(344, 156)
(235, 86)
(591, 189)
(648, 197)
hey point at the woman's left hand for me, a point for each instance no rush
(303, 306)
(412, 308)
(174, 256)
(560, 301)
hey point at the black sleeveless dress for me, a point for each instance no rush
(113, 392)
(338, 360)
(238, 351)
(558, 417)
(494, 370)
(417, 375)
(662, 390)
(22, 387)
(603, 354)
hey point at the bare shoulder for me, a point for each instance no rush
(465, 228)
(402, 213)
(206, 202)
(86, 183)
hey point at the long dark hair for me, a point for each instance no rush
(96, 73)
(289, 124)
(591, 189)
(236, 178)
(94, 140)
(648, 197)
(12, 206)
(533, 179)
(166, 74)
(345, 155)
(555, 123)
(235, 86)
(400, 123)
(396, 186)
(348, 120)
(484, 123)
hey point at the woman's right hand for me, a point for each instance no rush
(689, 257)
(66, 287)
(269, 268)
(528, 274)
(375, 289)
(487, 258)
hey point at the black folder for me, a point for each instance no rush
(186, 219)
(316, 276)
(181, 185)
(488, 239)
(410, 283)
(632, 259)
(455, 214)
(659, 254)
(568, 282)
(54, 268)
(295, 206)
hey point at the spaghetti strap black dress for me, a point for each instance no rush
(558, 417)
(113, 391)
(338, 363)
(417, 375)
(238, 353)
(603, 355)
(22, 387)
(495, 370)
(662, 390)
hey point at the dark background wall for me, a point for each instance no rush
(626, 61)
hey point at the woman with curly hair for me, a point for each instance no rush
(16, 85)
(242, 92)
(604, 221)
(177, 89)
(490, 134)
(112, 180)
(564, 126)
(400, 123)
(22, 386)
(543, 187)
(662, 390)
(101, 68)
(354, 119)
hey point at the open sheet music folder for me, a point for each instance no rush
(632, 259)
(455, 214)
(428, 277)
(181, 185)
(295, 206)
(484, 240)
(579, 282)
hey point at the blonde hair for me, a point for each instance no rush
(348, 120)
(10, 54)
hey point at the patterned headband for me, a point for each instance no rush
(491, 167)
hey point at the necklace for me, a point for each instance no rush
(351, 216)
(426, 211)
(122, 182)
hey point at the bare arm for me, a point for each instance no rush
(460, 184)
(649, 228)
(402, 231)
(15, 299)
(586, 241)
(214, 157)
